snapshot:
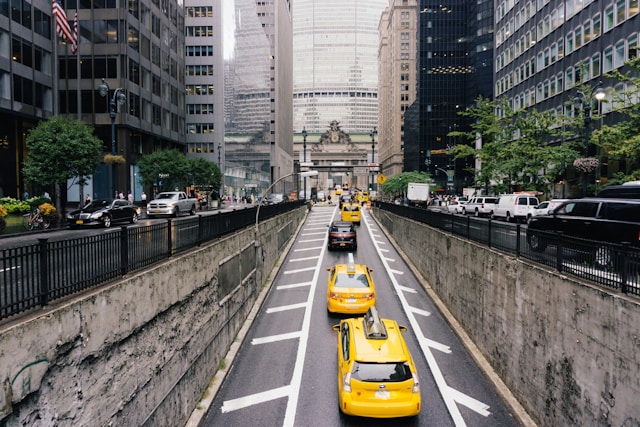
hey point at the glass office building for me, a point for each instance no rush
(335, 60)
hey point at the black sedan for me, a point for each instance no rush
(103, 212)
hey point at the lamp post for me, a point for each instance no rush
(373, 134)
(304, 156)
(221, 172)
(118, 97)
(598, 93)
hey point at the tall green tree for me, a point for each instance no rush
(522, 148)
(171, 168)
(60, 149)
(621, 141)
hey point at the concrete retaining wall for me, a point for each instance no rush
(140, 351)
(569, 351)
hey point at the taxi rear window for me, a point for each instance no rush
(354, 280)
(381, 372)
(353, 208)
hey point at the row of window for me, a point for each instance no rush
(199, 11)
(205, 89)
(199, 128)
(199, 50)
(612, 57)
(199, 31)
(199, 108)
(21, 13)
(23, 52)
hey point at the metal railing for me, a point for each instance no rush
(33, 275)
(612, 265)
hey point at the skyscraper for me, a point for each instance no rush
(335, 62)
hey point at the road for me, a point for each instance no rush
(285, 373)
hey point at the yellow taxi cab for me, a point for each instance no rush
(364, 197)
(350, 288)
(351, 212)
(376, 375)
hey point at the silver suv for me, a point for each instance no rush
(480, 206)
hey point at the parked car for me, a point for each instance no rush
(377, 377)
(456, 206)
(350, 288)
(514, 207)
(275, 198)
(103, 213)
(479, 206)
(342, 235)
(600, 219)
(171, 203)
(320, 196)
(544, 208)
(628, 190)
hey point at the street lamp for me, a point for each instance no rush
(598, 93)
(119, 97)
(373, 134)
(221, 172)
(304, 156)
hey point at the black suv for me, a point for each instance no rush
(342, 235)
(602, 219)
(625, 191)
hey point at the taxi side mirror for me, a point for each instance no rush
(328, 269)
(336, 327)
(402, 328)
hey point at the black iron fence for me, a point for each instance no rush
(612, 265)
(33, 275)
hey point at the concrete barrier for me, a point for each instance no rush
(568, 350)
(142, 350)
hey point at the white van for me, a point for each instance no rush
(514, 207)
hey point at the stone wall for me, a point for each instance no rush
(568, 350)
(140, 351)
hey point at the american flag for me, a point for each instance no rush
(62, 24)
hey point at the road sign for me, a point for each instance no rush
(381, 179)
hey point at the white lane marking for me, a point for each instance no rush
(314, 234)
(407, 289)
(470, 402)
(296, 377)
(397, 272)
(384, 250)
(391, 259)
(303, 259)
(295, 285)
(449, 399)
(307, 249)
(286, 307)
(312, 240)
(315, 228)
(299, 270)
(425, 313)
(275, 338)
(254, 399)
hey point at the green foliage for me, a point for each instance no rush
(60, 149)
(15, 206)
(519, 148)
(621, 141)
(173, 169)
(397, 184)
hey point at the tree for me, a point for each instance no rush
(171, 168)
(519, 147)
(61, 149)
(397, 185)
(621, 141)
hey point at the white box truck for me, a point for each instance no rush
(418, 193)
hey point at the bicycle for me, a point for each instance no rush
(35, 219)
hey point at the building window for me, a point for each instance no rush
(608, 60)
(620, 11)
(608, 18)
(597, 26)
(595, 65)
(618, 55)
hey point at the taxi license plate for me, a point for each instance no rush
(342, 244)
(79, 221)
(156, 211)
(382, 394)
(352, 299)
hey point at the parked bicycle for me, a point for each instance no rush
(35, 220)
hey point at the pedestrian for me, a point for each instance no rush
(87, 199)
(130, 198)
(25, 195)
(143, 197)
(46, 194)
(121, 196)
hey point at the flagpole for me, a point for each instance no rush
(54, 67)
(78, 89)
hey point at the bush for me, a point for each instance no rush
(15, 206)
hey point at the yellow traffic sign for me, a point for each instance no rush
(381, 179)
